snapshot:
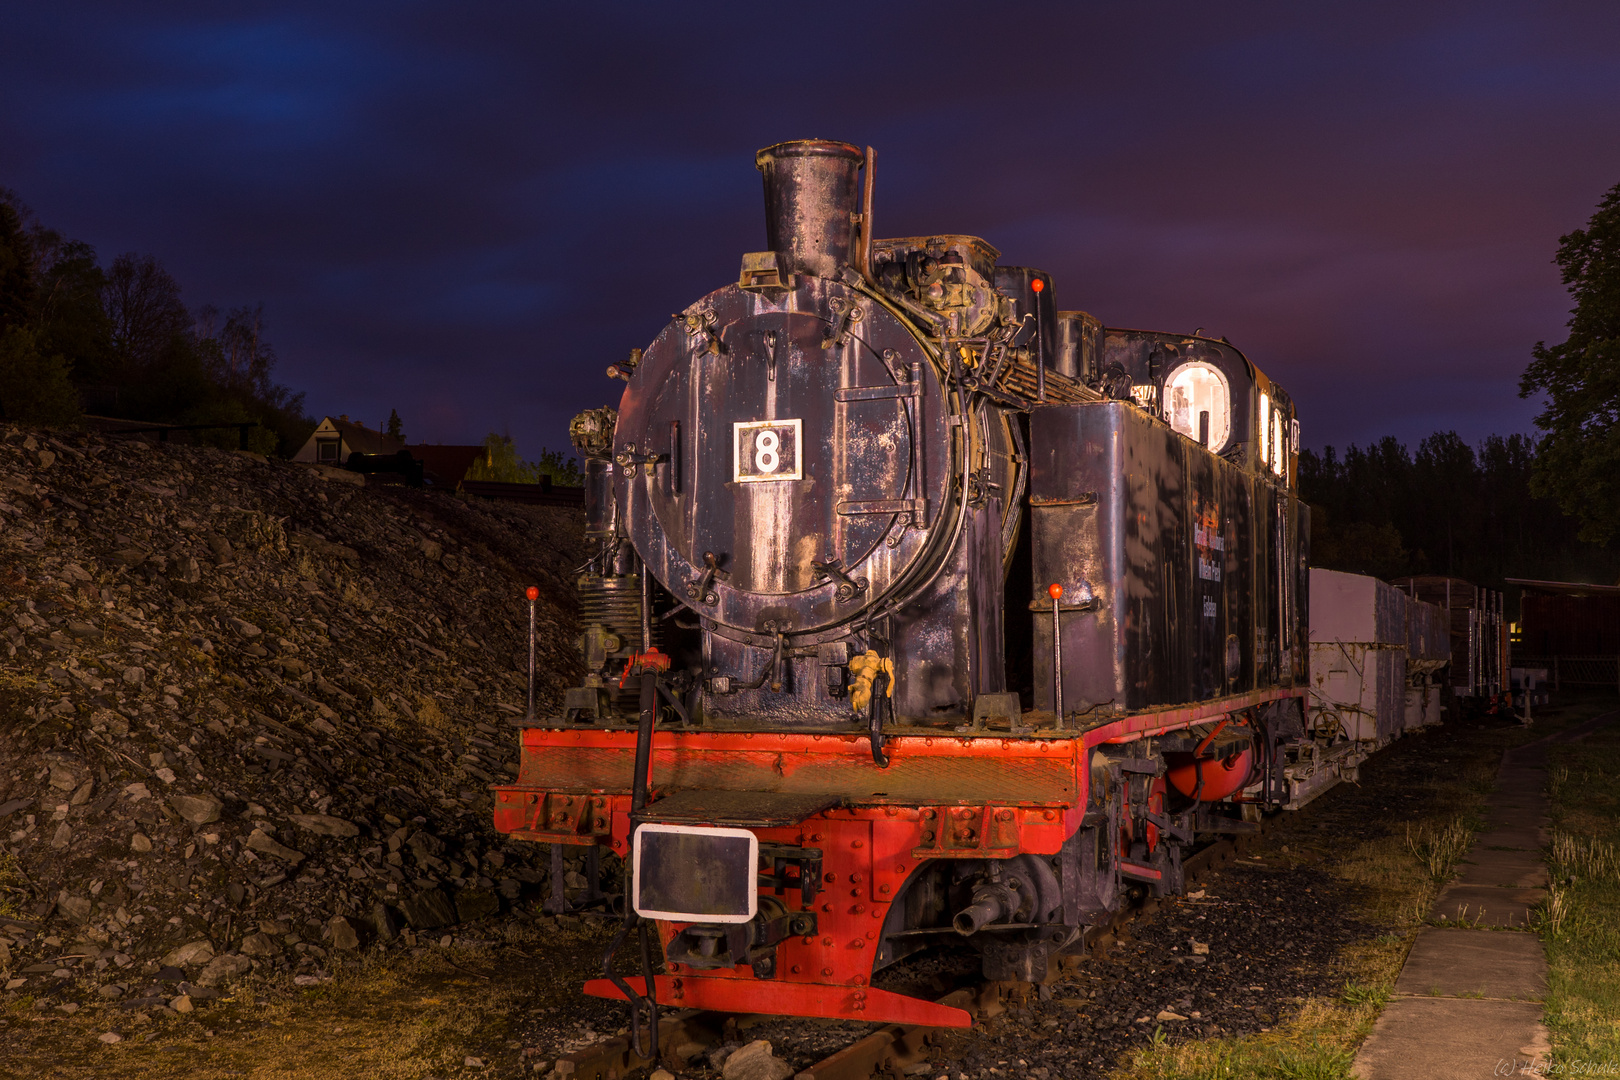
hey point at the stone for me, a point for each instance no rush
(260, 944)
(110, 1037)
(263, 843)
(343, 935)
(755, 1062)
(243, 627)
(224, 968)
(130, 556)
(182, 1004)
(382, 918)
(166, 775)
(197, 809)
(73, 908)
(134, 675)
(112, 991)
(476, 904)
(137, 792)
(428, 909)
(1166, 1014)
(63, 836)
(140, 842)
(324, 825)
(661, 1074)
(473, 1063)
(194, 952)
(63, 779)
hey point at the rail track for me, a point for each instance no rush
(891, 1049)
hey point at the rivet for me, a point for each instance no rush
(858, 943)
(826, 971)
(859, 908)
(1048, 815)
(826, 907)
(855, 877)
(830, 878)
(857, 843)
(871, 935)
(808, 940)
(826, 941)
(900, 868)
(797, 969)
(884, 889)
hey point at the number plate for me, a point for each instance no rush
(687, 873)
(767, 450)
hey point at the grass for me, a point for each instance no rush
(1393, 880)
(1580, 920)
(406, 1015)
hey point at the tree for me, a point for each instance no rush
(34, 386)
(1578, 457)
(396, 426)
(143, 302)
(16, 262)
(503, 463)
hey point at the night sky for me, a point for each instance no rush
(466, 211)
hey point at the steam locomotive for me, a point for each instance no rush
(920, 610)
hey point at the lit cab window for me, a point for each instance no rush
(1279, 454)
(1265, 429)
(1198, 401)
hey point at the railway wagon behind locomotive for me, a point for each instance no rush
(920, 609)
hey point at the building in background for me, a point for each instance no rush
(1568, 618)
(337, 437)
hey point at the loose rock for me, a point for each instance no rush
(755, 1062)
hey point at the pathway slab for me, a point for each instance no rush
(1487, 905)
(1530, 839)
(1426, 1038)
(1497, 964)
(1520, 869)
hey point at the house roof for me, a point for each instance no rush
(447, 465)
(359, 438)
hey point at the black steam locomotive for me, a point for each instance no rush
(920, 607)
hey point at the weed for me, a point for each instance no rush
(12, 891)
(1584, 857)
(1439, 847)
(1358, 994)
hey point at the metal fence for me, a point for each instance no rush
(1575, 670)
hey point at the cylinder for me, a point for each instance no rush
(811, 197)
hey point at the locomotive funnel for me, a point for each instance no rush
(810, 203)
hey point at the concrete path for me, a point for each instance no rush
(1467, 1005)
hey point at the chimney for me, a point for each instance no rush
(810, 200)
